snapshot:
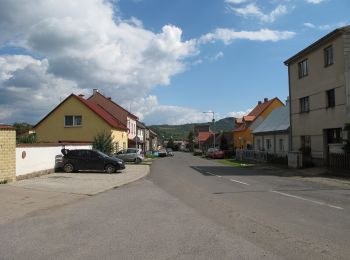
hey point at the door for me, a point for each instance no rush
(94, 161)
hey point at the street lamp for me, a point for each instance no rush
(212, 112)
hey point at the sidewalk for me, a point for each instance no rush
(320, 175)
(47, 192)
(84, 183)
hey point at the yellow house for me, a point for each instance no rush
(242, 134)
(79, 120)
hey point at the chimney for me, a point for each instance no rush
(266, 100)
(259, 102)
(81, 95)
(94, 91)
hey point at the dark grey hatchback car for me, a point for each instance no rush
(88, 160)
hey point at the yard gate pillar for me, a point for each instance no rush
(7, 154)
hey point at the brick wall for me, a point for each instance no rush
(7, 153)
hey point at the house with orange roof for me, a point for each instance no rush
(123, 115)
(77, 119)
(242, 134)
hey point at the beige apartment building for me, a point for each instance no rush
(319, 90)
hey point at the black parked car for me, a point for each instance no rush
(88, 160)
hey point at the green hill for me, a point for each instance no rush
(180, 132)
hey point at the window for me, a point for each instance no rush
(305, 141)
(334, 136)
(268, 144)
(304, 105)
(303, 68)
(330, 98)
(281, 145)
(328, 56)
(258, 143)
(72, 121)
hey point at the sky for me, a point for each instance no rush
(166, 61)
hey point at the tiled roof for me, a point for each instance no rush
(203, 136)
(111, 120)
(6, 127)
(260, 107)
(109, 100)
(255, 113)
(248, 118)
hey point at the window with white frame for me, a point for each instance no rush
(72, 121)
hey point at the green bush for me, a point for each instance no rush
(27, 139)
(104, 143)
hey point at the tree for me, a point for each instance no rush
(190, 138)
(103, 142)
(223, 142)
(170, 143)
(22, 128)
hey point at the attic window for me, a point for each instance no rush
(72, 121)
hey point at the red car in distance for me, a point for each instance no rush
(215, 153)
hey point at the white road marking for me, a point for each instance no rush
(219, 176)
(301, 198)
(211, 173)
(241, 182)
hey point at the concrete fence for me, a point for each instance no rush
(28, 159)
(36, 159)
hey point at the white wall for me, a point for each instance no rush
(39, 158)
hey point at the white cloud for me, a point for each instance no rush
(74, 46)
(253, 10)
(239, 114)
(83, 45)
(309, 25)
(151, 111)
(325, 27)
(314, 1)
(218, 56)
(235, 1)
(229, 35)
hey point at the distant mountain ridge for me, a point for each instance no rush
(180, 132)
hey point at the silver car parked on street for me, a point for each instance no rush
(130, 155)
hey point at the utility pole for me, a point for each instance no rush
(212, 112)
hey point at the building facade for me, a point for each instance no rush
(242, 134)
(272, 135)
(319, 90)
(78, 120)
(120, 113)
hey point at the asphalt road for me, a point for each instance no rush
(190, 208)
(285, 216)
